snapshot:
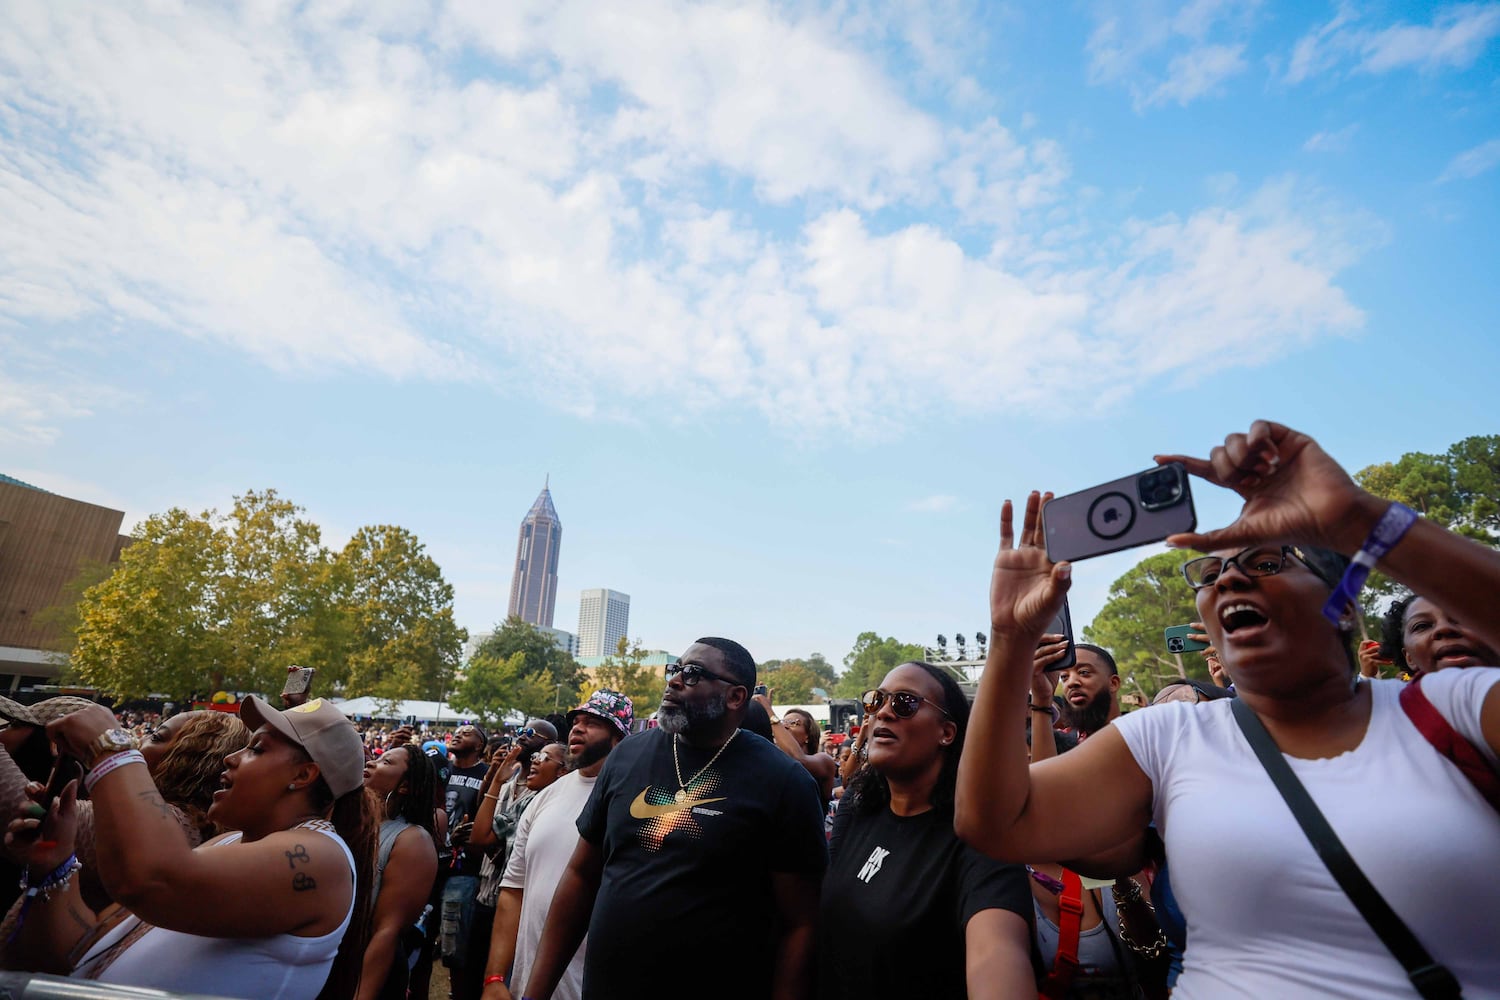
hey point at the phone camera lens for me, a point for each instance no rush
(1160, 488)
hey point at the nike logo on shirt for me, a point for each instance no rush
(641, 809)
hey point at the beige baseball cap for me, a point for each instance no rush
(321, 729)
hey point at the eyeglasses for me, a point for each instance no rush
(903, 703)
(1259, 560)
(525, 733)
(541, 758)
(692, 673)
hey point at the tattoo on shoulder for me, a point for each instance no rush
(303, 882)
(294, 856)
(153, 799)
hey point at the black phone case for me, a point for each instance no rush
(1110, 518)
(1063, 625)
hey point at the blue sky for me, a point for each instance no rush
(785, 298)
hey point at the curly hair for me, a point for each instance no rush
(188, 774)
(869, 791)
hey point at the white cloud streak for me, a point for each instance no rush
(586, 201)
(1129, 43)
(1457, 35)
(1472, 162)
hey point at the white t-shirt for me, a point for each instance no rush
(544, 842)
(280, 967)
(1264, 917)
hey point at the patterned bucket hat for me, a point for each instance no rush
(612, 706)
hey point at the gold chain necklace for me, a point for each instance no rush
(682, 786)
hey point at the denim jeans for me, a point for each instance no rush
(457, 918)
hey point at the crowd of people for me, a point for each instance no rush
(1296, 826)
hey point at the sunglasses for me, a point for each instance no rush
(904, 703)
(692, 673)
(1258, 560)
(541, 758)
(525, 733)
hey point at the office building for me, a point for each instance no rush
(533, 588)
(603, 620)
(561, 638)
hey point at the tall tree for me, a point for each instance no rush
(154, 624)
(207, 601)
(1459, 490)
(541, 653)
(625, 671)
(870, 660)
(1150, 597)
(492, 687)
(404, 642)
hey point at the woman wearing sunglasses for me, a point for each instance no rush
(1273, 921)
(899, 881)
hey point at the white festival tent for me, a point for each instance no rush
(420, 711)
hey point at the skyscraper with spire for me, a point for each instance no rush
(533, 588)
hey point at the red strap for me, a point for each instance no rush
(1069, 925)
(1447, 741)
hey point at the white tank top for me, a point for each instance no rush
(281, 967)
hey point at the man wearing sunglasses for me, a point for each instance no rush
(695, 827)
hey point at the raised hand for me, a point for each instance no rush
(1026, 588)
(1293, 491)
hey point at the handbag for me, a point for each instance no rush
(1431, 980)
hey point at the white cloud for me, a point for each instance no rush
(1334, 141)
(584, 203)
(1199, 72)
(1472, 162)
(1200, 42)
(1457, 35)
(938, 503)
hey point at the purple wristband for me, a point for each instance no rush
(1390, 529)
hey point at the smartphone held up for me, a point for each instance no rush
(1135, 510)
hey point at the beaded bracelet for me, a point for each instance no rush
(108, 764)
(55, 882)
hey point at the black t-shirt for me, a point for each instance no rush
(896, 900)
(685, 906)
(461, 803)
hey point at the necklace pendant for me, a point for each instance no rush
(681, 795)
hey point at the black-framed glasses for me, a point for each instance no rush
(903, 703)
(692, 673)
(1258, 560)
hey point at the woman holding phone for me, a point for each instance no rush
(1275, 923)
(280, 903)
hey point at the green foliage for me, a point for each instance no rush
(1459, 490)
(400, 610)
(870, 660)
(625, 672)
(202, 602)
(540, 653)
(494, 686)
(791, 682)
(1150, 597)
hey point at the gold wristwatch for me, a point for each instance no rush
(109, 742)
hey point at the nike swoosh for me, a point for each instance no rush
(641, 809)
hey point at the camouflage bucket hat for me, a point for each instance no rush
(612, 706)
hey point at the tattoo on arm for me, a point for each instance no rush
(154, 800)
(303, 882)
(294, 856)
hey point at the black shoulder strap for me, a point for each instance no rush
(1432, 981)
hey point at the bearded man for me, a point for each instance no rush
(1091, 691)
(692, 828)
